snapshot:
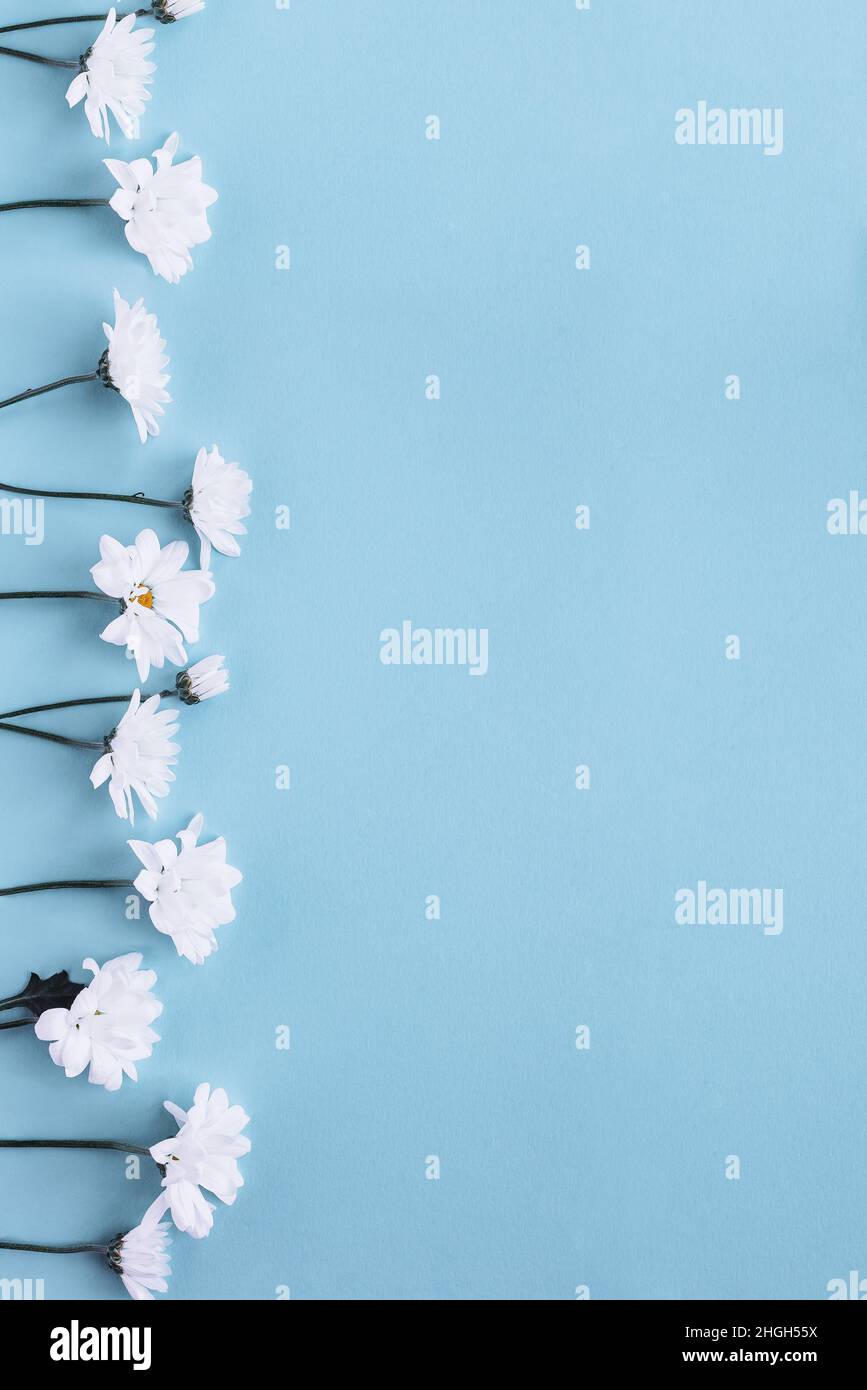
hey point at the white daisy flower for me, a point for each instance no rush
(159, 597)
(203, 681)
(139, 757)
(115, 77)
(189, 890)
(133, 364)
(107, 1026)
(140, 1256)
(167, 11)
(203, 1154)
(165, 209)
(216, 503)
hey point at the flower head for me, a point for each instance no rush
(217, 502)
(107, 1026)
(140, 1256)
(189, 890)
(133, 364)
(203, 681)
(115, 77)
(165, 209)
(139, 757)
(203, 1154)
(167, 11)
(160, 599)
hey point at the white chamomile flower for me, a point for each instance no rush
(115, 76)
(217, 502)
(167, 11)
(133, 364)
(165, 208)
(203, 681)
(107, 1026)
(160, 599)
(203, 1154)
(189, 890)
(140, 1257)
(139, 757)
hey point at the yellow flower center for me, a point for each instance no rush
(145, 598)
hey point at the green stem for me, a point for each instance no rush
(138, 498)
(55, 1249)
(39, 58)
(75, 704)
(52, 385)
(71, 19)
(116, 1145)
(52, 738)
(67, 883)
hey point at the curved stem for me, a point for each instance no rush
(138, 498)
(18, 1023)
(75, 704)
(72, 19)
(55, 1249)
(59, 593)
(55, 203)
(53, 385)
(52, 738)
(39, 58)
(117, 1145)
(67, 883)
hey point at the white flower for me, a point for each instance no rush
(164, 209)
(139, 757)
(115, 77)
(107, 1026)
(217, 502)
(203, 681)
(203, 1154)
(190, 892)
(166, 11)
(158, 595)
(133, 364)
(140, 1256)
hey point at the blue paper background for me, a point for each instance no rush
(456, 1038)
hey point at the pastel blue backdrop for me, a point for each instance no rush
(456, 1038)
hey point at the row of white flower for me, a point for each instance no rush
(105, 1027)
(203, 1154)
(201, 1157)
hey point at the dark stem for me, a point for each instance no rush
(59, 593)
(74, 704)
(73, 19)
(18, 1023)
(52, 738)
(55, 1249)
(54, 385)
(116, 1144)
(55, 203)
(138, 498)
(38, 995)
(67, 883)
(38, 58)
